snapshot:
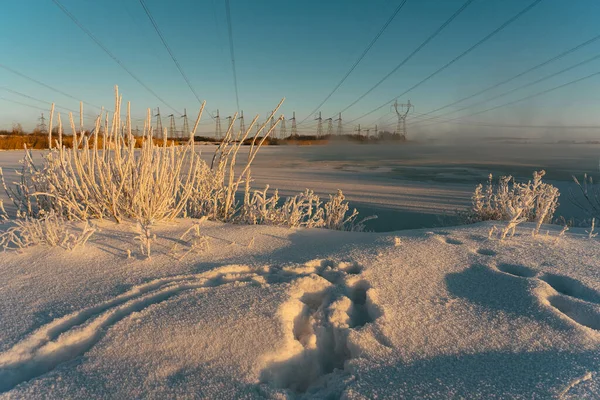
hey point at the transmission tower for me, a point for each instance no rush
(319, 125)
(272, 123)
(401, 126)
(282, 129)
(228, 122)
(358, 130)
(368, 132)
(172, 126)
(159, 129)
(294, 129)
(242, 123)
(42, 125)
(339, 125)
(329, 127)
(186, 125)
(218, 126)
(376, 131)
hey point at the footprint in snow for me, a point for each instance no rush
(72, 335)
(448, 240)
(517, 270)
(570, 297)
(334, 302)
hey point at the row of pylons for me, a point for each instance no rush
(401, 111)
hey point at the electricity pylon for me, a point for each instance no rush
(218, 126)
(272, 124)
(401, 126)
(282, 129)
(242, 123)
(294, 128)
(368, 132)
(42, 125)
(319, 125)
(358, 130)
(186, 125)
(329, 127)
(229, 123)
(339, 125)
(376, 131)
(159, 129)
(172, 126)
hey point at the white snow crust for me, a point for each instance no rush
(277, 313)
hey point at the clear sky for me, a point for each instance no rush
(300, 50)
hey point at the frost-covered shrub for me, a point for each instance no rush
(304, 210)
(534, 201)
(50, 230)
(104, 175)
(109, 178)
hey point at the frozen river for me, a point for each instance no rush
(411, 185)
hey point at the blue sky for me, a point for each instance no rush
(300, 50)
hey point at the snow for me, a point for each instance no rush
(268, 312)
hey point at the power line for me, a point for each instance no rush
(230, 30)
(519, 100)
(415, 51)
(42, 101)
(470, 49)
(110, 54)
(542, 64)
(23, 104)
(364, 53)
(45, 85)
(562, 71)
(164, 42)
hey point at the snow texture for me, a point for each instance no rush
(269, 312)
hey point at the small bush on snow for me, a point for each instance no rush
(534, 201)
(50, 230)
(304, 210)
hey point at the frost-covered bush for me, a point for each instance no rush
(534, 201)
(104, 175)
(109, 178)
(304, 210)
(50, 230)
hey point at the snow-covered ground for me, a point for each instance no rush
(271, 312)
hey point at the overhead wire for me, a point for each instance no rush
(562, 71)
(520, 99)
(512, 78)
(168, 48)
(455, 59)
(360, 58)
(413, 53)
(43, 101)
(22, 75)
(110, 54)
(232, 54)
(22, 104)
